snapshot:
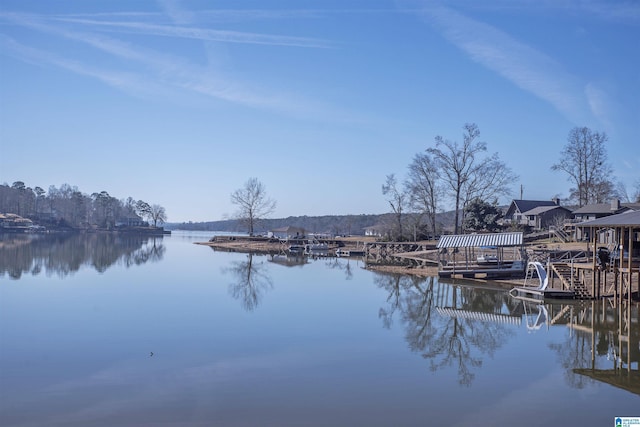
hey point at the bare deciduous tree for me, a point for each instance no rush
(157, 214)
(584, 159)
(397, 199)
(466, 174)
(253, 203)
(424, 188)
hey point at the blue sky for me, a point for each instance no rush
(179, 103)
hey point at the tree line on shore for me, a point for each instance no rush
(463, 176)
(68, 207)
(337, 225)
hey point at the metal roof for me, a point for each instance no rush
(625, 219)
(477, 240)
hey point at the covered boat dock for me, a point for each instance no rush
(481, 256)
(615, 241)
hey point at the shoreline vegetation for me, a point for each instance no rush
(400, 265)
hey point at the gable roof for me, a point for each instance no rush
(542, 209)
(605, 208)
(526, 205)
(597, 208)
(624, 219)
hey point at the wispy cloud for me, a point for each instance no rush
(202, 33)
(619, 11)
(126, 81)
(176, 12)
(142, 70)
(599, 103)
(519, 63)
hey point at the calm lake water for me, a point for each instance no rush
(101, 330)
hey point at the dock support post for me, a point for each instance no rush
(629, 265)
(593, 263)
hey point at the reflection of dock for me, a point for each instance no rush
(629, 381)
(479, 315)
(614, 333)
(349, 252)
(547, 294)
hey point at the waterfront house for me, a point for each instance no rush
(14, 223)
(543, 217)
(288, 232)
(617, 239)
(375, 230)
(600, 210)
(614, 229)
(131, 220)
(537, 214)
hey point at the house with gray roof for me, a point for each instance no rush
(599, 210)
(614, 229)
(538, 214)
(542, 217)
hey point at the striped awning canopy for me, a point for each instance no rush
(478, 240)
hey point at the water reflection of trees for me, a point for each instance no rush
(64, 254)
(343, 264)
(446, 341)
(251, 281)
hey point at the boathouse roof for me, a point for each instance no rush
(478, 240)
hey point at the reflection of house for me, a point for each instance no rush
(288, 260)
(288, 232)
(534, 213)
